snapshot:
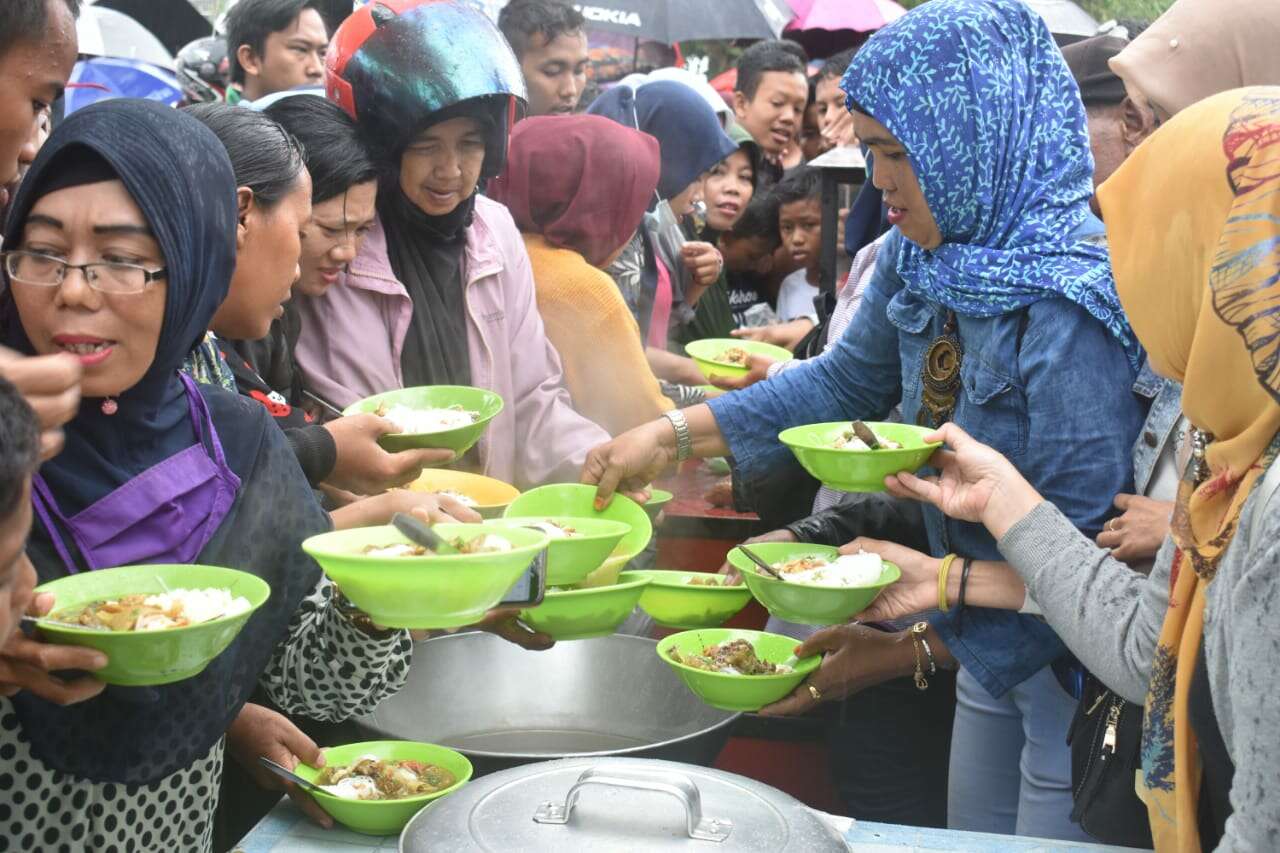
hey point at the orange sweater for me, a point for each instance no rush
(591, 327)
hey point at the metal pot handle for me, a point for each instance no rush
(674, 784)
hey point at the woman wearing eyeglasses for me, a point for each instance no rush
(123, 247)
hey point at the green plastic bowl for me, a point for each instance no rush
(435, 591)
(737, 692)
(148, 658)
(658, 499)
(673, 603)
(574, 500)
(857, 470)
(486, 403)
(570, 560)
(385, 817)
(802, 603)
(705, 352)
(579, 614)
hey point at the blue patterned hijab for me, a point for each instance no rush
(981, 98)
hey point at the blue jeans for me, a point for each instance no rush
(1010, 765)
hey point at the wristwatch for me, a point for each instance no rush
(684, 439)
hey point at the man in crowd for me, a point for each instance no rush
(275, 45)
(1117, 122)
(548, 39)
(769, 100)
(37, 51)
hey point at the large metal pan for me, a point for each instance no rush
(503, 706)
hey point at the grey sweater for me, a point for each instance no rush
(1110, 617)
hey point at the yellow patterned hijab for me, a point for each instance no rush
(1193, 221)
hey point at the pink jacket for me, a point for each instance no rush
(352, 338)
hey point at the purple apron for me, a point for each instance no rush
(166, 514)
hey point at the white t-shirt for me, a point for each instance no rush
(795, 298)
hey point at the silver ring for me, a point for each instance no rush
(815, 693)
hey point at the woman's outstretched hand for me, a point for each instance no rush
(974, 483)
(630, 462)
(915, 592)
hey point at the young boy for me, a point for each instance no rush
(797, 199)
(548, 39)
(748, 254)
(769, 100)
(275, 45)
(835, 122)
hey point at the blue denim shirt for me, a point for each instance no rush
(1047, 386)
(1165, 398)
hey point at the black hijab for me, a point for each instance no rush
(178, 173)
(169, 162)
(427, 255)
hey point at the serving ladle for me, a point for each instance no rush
(765, 567)
(290, 776)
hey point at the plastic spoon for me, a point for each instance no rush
(422, 534)
(290, 776)
(768, 569)
(868, 437)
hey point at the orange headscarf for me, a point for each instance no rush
(1193, 220)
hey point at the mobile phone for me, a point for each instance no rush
(532, 586)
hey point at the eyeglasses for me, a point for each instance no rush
(103, 276)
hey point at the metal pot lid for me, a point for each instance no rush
(616, 804)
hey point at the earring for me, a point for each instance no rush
(110, 407)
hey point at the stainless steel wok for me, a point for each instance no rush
(503, 706)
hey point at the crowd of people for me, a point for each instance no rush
(1063, 261)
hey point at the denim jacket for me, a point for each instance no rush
(1048, 386)
(1165, 398)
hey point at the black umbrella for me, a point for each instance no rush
(671, 21)
(174, 22)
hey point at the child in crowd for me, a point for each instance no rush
(769, 99)
(812, 142)
(748, 254)
(797, 199)
(727, 191)
(835, 123)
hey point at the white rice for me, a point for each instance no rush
(846, 570)
(422, 421)
(195, 605)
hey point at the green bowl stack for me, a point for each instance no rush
(672, 602)
(574, 500)
(738, 692)
(385, 817)
(857, 470)
(432, 591)
(706, 352)
(803, 603)
(571, 559)
(579, 614)
(149, 658)
(485, 404)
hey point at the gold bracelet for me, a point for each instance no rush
(942, 582)
(917, 632)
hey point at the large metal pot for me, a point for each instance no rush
(617, 804)
(503, 706)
